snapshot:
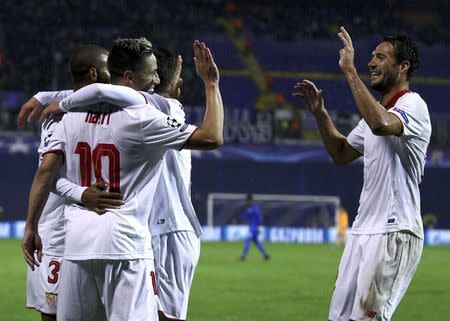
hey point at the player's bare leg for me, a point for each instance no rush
(162, 317)
(48, 317)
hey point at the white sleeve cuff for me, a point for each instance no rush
(76, 193)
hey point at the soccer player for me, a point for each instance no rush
(174, 226)
(386, 241)
(107, 258)
(173, 223)
(253, 215)
(87, 65)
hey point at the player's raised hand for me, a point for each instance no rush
(32, 244)
(175, 86)
(346, 54)
(97, 199)
(178, 67)
(28, 111)
(51, 109)
(204, 63)
(311, 96)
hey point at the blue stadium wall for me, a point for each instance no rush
(243, 176)
(234, 176)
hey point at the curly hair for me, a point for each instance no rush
(405, 50)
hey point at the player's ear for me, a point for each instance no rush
(93, 74)
(128, 76)
(404, 67)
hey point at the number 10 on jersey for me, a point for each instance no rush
(89, 158)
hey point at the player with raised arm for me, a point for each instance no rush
(87, 65)
(174, 226)
(173, 223)
(124, 147)
(386, 241)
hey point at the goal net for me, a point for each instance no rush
(312, 211)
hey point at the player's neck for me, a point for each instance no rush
(81, 84)
(387, 96)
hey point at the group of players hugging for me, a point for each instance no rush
(111, 233)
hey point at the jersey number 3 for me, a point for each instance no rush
(94, 157)
(54, 266)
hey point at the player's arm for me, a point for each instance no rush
(95, 197)
(96, 93)
(380, 121)
(210, 134)
(65, 188)
(34, 105)
(40, 189)
(336, 144)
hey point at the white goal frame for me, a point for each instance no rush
(268, 197)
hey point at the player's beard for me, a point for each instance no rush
(387, 81)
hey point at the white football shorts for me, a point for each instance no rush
(113, 290)
(43, 283)
(374, 274)
(176, 257)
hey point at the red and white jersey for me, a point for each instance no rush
(51, 222)
(173, 209)
(393, 169)
(125, 148)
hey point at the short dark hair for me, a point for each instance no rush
(405, 50)
(127, 53)
(167, 64)
(84, 58)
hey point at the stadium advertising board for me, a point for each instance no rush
(233, 233)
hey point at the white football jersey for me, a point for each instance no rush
(125, 148)
(172, 209)
(51, 222)
(393, 170)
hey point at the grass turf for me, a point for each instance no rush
(296, 284)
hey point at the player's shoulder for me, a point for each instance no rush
(413, 103)
(144, 111)
(160, 102)
(142, 108)
(175, 102)
(176, 108)
(152, 97)
(413, 99)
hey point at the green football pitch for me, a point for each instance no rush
(296, 284)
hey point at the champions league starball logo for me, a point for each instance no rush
(172, 122)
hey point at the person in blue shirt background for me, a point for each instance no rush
(254, 217)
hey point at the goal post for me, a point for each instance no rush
(278, 209)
